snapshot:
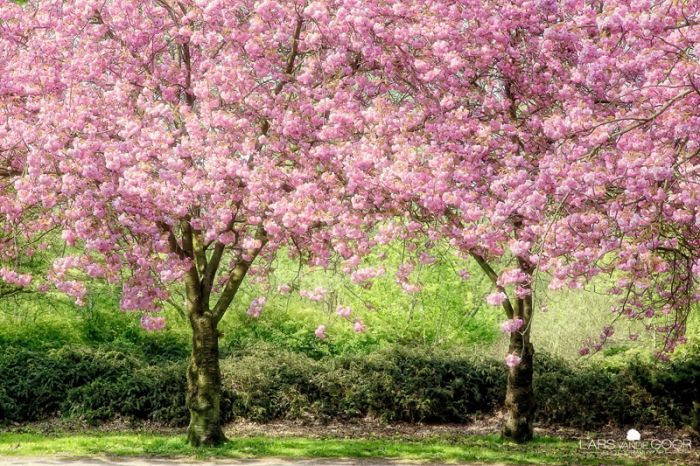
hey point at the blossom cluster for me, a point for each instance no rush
(156, 138)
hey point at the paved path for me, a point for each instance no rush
(106, 461)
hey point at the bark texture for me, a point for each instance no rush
(520, 396)
(520, 401)
(204, 384)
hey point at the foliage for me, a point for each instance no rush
(263, 383)
(639, 393)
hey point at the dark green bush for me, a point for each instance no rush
(422, 385)
(155, 393)
(393, 385)
(401, 384)
(93, 384)
(639, 393)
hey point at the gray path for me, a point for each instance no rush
(106, 461)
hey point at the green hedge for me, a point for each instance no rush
(401, 384)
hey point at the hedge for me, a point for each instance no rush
(401, 384)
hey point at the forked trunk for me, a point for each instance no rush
(204, 384)
(520, 396)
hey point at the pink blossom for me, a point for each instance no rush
(511, 325)
(607, 332)
(256, 307)
(318, 294)
(363, 275)
(411, 288)
(152, 323)
(343, 311)
(512, 276)
(359, 327)
(426, 259)
(13, 278)
(497, 298)
(320, 332)
(512, 360)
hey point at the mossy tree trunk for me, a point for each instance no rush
(204, 384)
(204, 373)
(520, 395)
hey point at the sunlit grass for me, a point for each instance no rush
(448, 449)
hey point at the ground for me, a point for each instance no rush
(185, 462)
(360, 443)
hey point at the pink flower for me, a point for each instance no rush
(359, 327)
(152, 323)
(584, 351)
(363, 275)
(512, 325)
(519, 248)
(343, 311)
(320, 332)
(284, 289)
(411, 287)
(13, 278)
(512, 276)
(464, 273)
(513, 360)
(426, 259)
(318, 294)
(607, 332)
(497, 298)
(256, 307)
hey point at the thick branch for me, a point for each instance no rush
(194, 296)
(493, 276)
(8, 172)
(289, 68)
(199, 251)
(211, 269)
(235, 279)
(172, 240)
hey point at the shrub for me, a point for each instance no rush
(155, 393)
(263, 383)
(635, 394)
(93, 384)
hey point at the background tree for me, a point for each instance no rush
(512, 133)
(22, 227)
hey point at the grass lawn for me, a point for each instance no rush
(448, 449)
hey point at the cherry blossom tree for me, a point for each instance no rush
(630, 141)
(187, 142)
(546, 137)
(22, 227)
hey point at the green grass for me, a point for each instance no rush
(449, 449)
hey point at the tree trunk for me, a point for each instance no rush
(204, 383)
(520, 396)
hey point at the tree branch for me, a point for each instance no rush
(235, 279)
(493, 276)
